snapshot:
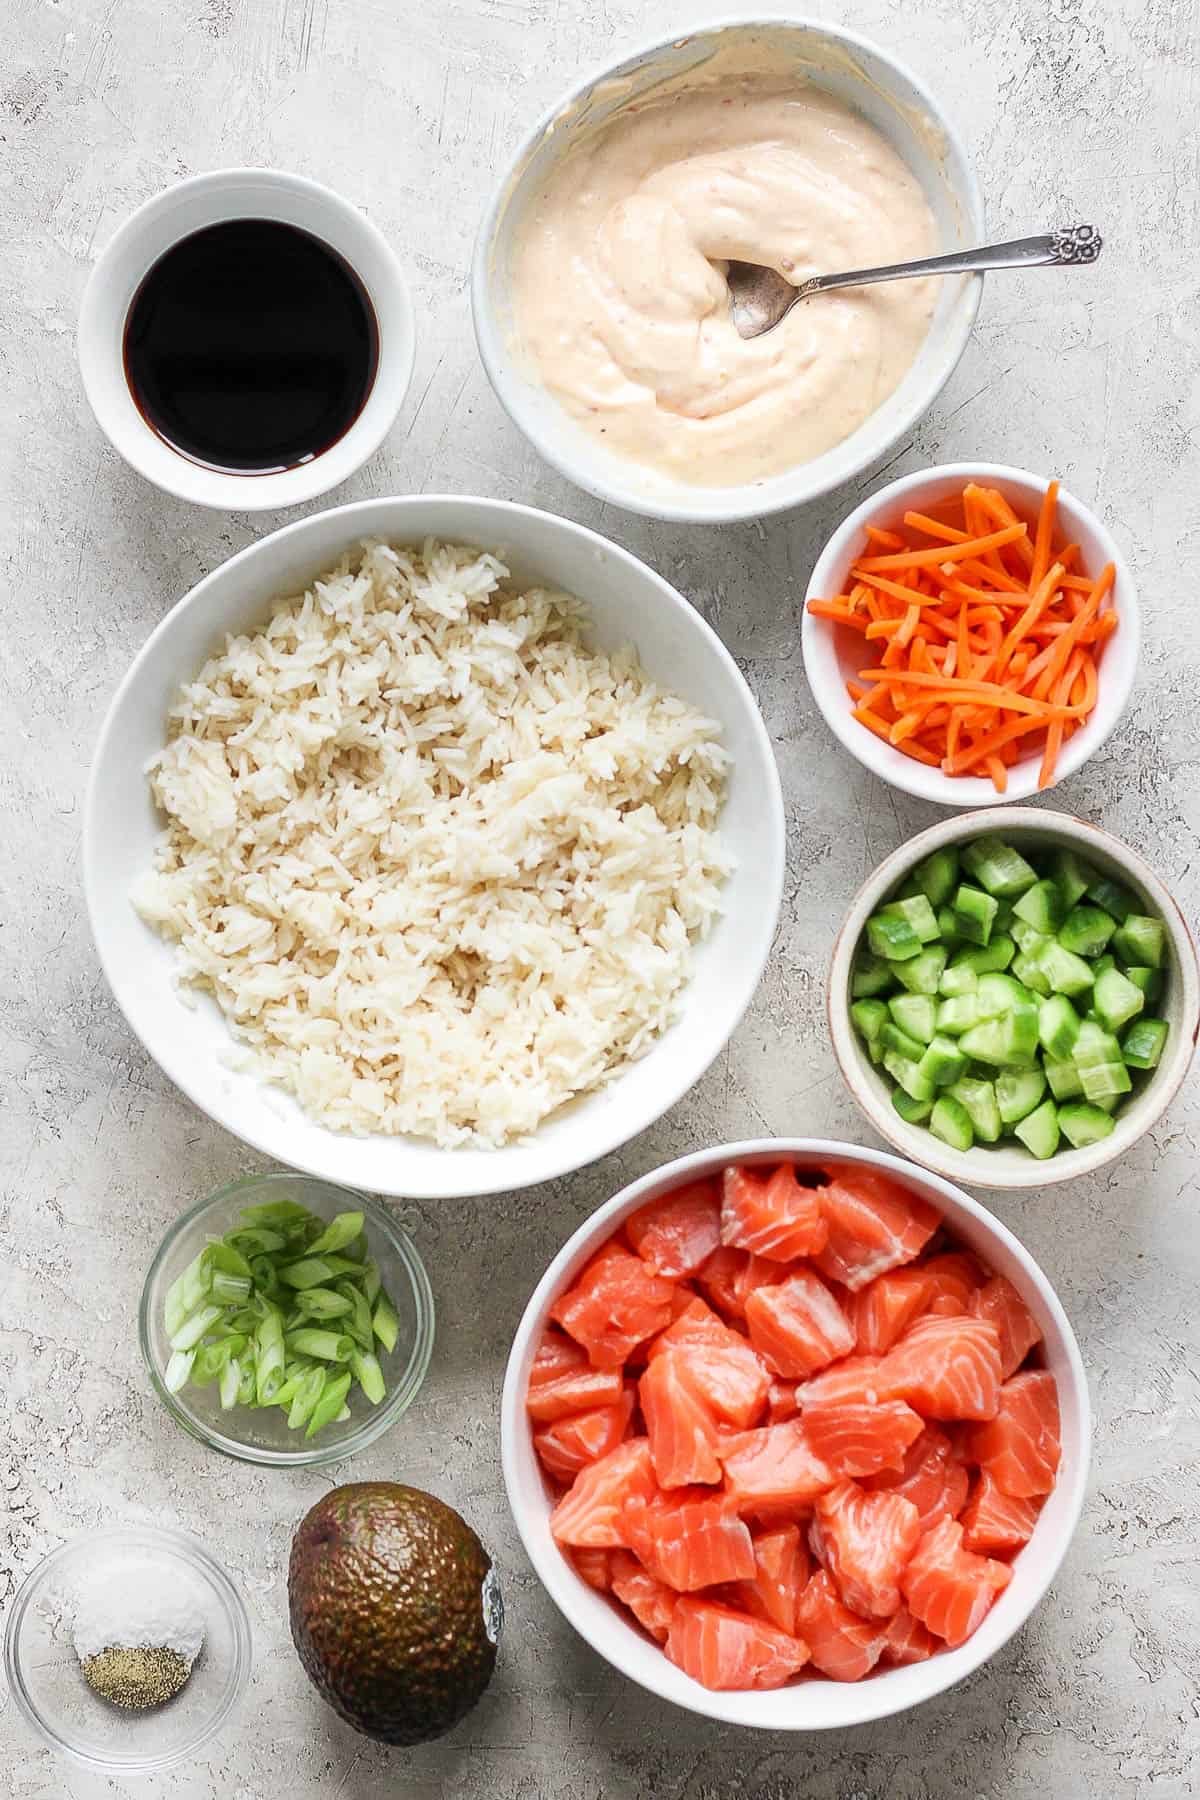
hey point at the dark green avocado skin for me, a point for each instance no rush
(385, 1594)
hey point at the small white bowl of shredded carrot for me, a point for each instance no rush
(971, 634)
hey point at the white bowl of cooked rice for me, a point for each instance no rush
(434, 845)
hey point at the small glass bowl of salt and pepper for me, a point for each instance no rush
(127, 1649)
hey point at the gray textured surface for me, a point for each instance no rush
(1074, 109)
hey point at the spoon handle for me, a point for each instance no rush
(1075, 244)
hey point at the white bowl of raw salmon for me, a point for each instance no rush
(795, 1434)
(434, 845)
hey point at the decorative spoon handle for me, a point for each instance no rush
(1074, 244)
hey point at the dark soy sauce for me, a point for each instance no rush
(251, 346)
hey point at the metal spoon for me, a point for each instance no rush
(759, 297)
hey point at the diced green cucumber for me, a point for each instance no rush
(1114, 898)
(1041, 906)
(914, 1112)
(917, 912)
(908, 1074)
(1082, 1124)
(1095, 1046)
(1028, 968)
(1066, 972)
(1116, 1000)
(1058, 1027)
(1000, 993)
(1101, 963)
(892, 937)
(975, 912)
(1105, 1081)
(937, 876)
(916, 1014)
(951, 1122)
(948, 926)
(987, 959)
(958, 1014)
(870, 975)
(868, 1017)
(1141, 940)
(1144, 1042)
(1072, 877)
(997, 867)
(1027, 938)
(979, 1099)
(1149, 980)
(892, 1038)
(1039, 1132)
(1064, 1080)
(943, 1062)
(1007, 1041)
(1086, 930)
(958, 978)
(920, 974)
(1018, 1091)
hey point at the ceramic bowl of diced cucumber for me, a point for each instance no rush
(1014, 998)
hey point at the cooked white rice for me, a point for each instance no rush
(440, 865)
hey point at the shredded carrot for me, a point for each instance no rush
(990, 635)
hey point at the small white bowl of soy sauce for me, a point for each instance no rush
(246, 339)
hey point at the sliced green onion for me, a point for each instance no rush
(330, 1346)
(372, 1281)
(330, 1404)
(359, 1323)
(368, 1374)
(322, 1303)
(230, 1290)
(309, 1388)
(309, 1272)
(385, 1323)
(268, 1375)
(276, 1212)
(194, 1328)
(340, 1231)
(257, 1242)
(179, 1367)
(230, 1381)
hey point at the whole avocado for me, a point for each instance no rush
(394, 1610)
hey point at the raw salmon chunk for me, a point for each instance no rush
(999, 1301)
(874, 1225)
(563, 1381)
(570, 1444)
(843, 1646)
(797, 1326)
(679, 1232)
(594, 1514)
(782, 1400)
(1020, 1447)
(907, 1639)
(615, 1304)
(864, 1540)
(771, 1215)
(858, 1438)
(719, 1278)
(855, 1378)
(953, 1277)
(692, 1540)
(884, 1308)
(651, 1601)
(781, 1570)
(931, 1477)
(594, 1567)
(730, 1375)
(995, 1521)
(680, 1424)
(721, 1648)
(775, 1469)
(947, 1367)
(949, 1589)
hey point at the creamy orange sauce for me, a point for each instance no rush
(620, 301)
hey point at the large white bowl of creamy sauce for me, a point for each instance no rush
(599, 293)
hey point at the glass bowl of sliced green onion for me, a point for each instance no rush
(1014, 998)
(285, 1321)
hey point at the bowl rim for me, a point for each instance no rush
(380, 1418)
(362, 517)
(152, 457)
(745, 501)
(547, 1560)
(902, 771)
(189, 1549)
(920, 1146)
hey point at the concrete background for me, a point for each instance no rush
(1076, 109)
